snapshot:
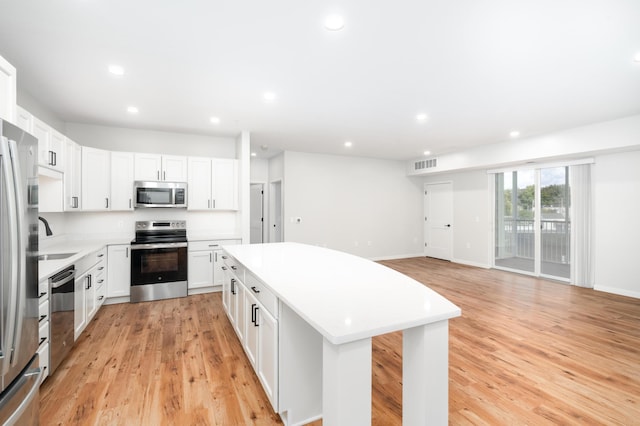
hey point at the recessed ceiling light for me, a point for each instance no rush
(132, 110)
(514, 134)
(116, 70)
(269, 96)
(427, 153)
(334, 22)
(422, 117)
(253, 154)
(215, 120)
(348, 144)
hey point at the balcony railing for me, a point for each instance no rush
(518, 240)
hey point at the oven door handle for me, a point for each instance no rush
(157, 246)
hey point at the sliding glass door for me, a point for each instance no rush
(532, 222)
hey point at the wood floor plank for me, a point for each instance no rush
(524, 351)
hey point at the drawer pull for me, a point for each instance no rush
(255, 290)
(101, 255)
(224, 257)
(42, 340)
(42, 317)
(101, 297)
(44, 293)
(224, 268)
(101, 268)
(234, 268)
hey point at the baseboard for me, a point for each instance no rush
(618, 291)
(400, 256)
(469, 263)
(204, 290)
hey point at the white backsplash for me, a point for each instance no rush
(119, 225)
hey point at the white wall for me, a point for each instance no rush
(28, 102)
(616, 180)
(580, 142)
(472, 227)
(259, 170)
(362, 206)
(135, 140)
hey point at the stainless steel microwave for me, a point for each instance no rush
(160, 194)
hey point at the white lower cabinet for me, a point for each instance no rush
(91, 276)
(118, 271)
(44, 330)
(267, 358)
(200, 269)
(205, 264)
(252, 310)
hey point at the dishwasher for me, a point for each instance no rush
(62, 315)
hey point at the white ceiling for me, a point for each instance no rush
(478, 68)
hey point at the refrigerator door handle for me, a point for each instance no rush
(21, 288)
(32, 375)
(11, 211)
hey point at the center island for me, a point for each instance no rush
(306, 315)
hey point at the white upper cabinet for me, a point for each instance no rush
(50, 145)
(24, 119)
(199, 183)
(95, 179)
(72, 175)
(174, 168)
(121, 181)
(224, 184)
(160, 167)
(7, 91)
(213, 184)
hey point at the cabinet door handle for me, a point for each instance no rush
(51, 160)
(126, 252)
(256, 315)
(253, 313)
(101, 254)
(233, 286)
(107, 202)
(213, 245)
(255, 290)
(158, 174)
(42, 317)
(216, 256)
(234, 268)
(164, 175)
(214, 204)
(55, 158)
(101, 268)
(129, 202)
(224, 268)
(42, 340)
(44, 293)
(74, 202)
(224, 257)
(101, 297)
(210, 258)
(100, 281)
(208, 204)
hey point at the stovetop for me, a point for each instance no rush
(160, 231)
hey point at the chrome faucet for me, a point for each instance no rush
(47, 229)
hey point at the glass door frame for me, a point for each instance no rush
(537, 219)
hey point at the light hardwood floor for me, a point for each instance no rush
(525, 351)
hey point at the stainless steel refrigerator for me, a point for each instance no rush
(19, 369)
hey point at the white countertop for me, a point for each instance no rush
(81, 248)
(344, 297)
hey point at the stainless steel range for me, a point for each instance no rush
(159, 260)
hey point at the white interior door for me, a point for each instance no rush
(438, 220)
(256, 213)
(275, 212)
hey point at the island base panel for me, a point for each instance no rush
(346, 383)
(425, 372)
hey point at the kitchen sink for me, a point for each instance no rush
(55, 256)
